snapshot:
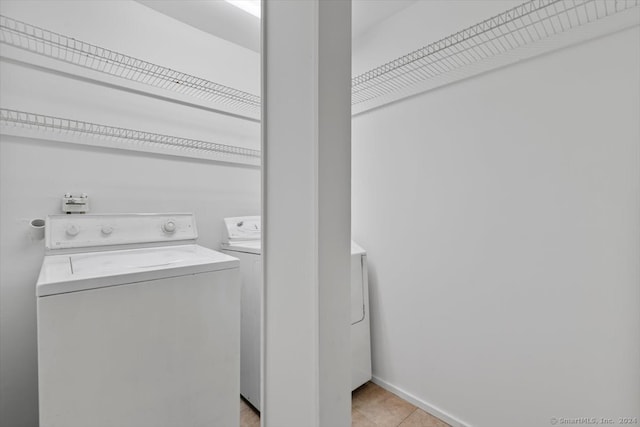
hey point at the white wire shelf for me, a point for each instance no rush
(532, 28)
(63, 48)
(25, 124)
(545, 24)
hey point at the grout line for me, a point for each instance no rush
(414, 411)
(442, 415)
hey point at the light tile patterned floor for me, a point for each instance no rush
(371, 406)
(249, 417)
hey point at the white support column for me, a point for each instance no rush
(306, 98)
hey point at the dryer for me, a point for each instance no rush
(138, 326)
(243, 242)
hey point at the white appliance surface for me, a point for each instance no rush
(255, 246)
(246, 245)
(89, 270)
(249, 246)
(250, 322)
(90, 231)
(133, 335)
(243, 228)
(357, 282)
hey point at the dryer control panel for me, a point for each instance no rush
(84, 231)
(241, 228)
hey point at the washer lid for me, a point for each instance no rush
(91, 270)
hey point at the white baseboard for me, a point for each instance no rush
(432, 409)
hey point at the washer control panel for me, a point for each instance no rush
(82, 231)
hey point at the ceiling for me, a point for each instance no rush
(225, 21)
(368, 13)
(215, 17)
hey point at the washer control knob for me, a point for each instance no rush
(169, 226)
(72, 230)
(107, 229)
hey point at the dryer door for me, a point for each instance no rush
(357, 289)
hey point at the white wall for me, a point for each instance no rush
(34, 174)
(501, 216)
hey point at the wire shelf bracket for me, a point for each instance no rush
(31, 125)
(527, 30)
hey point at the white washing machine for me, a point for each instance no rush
(243, 242)
(137, 325)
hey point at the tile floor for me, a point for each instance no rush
(249, 417)
(371, 406)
